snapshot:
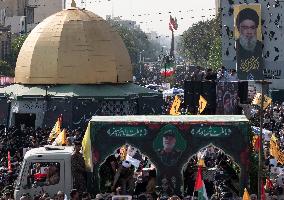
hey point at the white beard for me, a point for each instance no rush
(248, 44)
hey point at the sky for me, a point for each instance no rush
(153, 15)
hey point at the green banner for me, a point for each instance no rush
(127, 131)
(211, 131)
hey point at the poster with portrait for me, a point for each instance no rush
(251, 91)
(227, 98)
(169, 145)
(247, 29)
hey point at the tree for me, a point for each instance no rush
(136, 42)
(215, 54)
(17, 44)
(6, 69)
(201, 43)
(138, 46)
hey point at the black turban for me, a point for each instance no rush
(247, 13)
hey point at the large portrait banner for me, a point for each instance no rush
(247, 21)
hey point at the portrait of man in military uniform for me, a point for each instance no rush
(169, 145)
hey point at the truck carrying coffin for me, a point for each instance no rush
(146, 133)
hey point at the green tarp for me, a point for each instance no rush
(119, 90)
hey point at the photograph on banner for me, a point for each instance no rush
(227, 98)
(251, 91)
(169, 145)
(247, 22)
(133, 156)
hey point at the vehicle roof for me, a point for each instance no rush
(50, 150)
(171, 118)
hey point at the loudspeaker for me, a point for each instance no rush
(192, 91)
(209, 93)
(243, 92)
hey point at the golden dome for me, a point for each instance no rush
(73, 46)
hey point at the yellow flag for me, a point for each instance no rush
(56, 130)
(274, 138)
(201, 162)
(274, 149)
(280, 158)
(246, 195)
(61, 138)
(202, 104)
(175, 106)
(257, 100)
(87, 149)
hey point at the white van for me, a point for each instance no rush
(45, 169)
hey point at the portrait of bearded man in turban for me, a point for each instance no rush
(248, 47)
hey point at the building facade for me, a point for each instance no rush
(17, 24)
(12, 13)
(13, 7)
(38, 10)
(5, 43)
(24, 15)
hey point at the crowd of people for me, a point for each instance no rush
(220, 174)
(273, 127)
(150, 74)
(15, 141)
(120, 177)
(223, 74)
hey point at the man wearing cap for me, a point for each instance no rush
(169, 155)
(248, 47)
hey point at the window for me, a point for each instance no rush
(2, 50)
(6, 53)
(43, 174)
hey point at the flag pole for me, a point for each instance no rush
(165, 65)
(260, 144)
